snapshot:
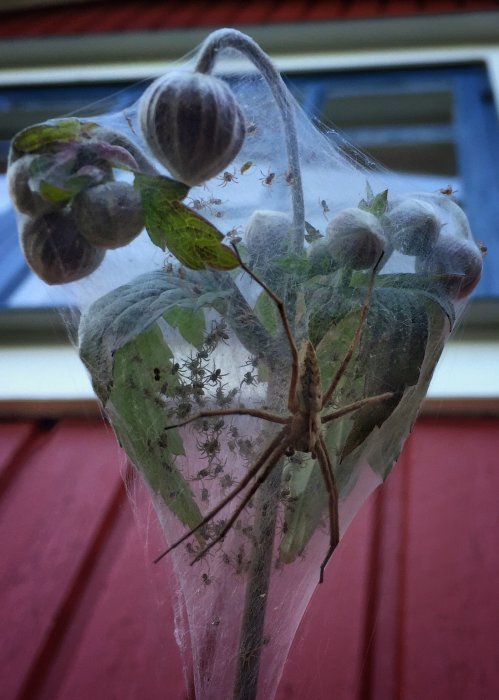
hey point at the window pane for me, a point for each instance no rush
(407, 132)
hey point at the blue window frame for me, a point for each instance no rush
(439, 122)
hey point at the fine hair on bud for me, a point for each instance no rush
(267, 233)
(25, 199)
(455, 263)
(55, 249)
(109, 215)
(412, 227)
(192, 124)
(355, 239)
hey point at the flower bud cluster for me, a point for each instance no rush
(73, 208)
(432, 228)
(356, 239)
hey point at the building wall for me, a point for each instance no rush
(408, 609)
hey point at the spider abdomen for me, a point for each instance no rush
(306, 423)
(309, 390)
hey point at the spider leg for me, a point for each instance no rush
(328, 474)
(356, 405)
(289, 335)
(355, 340)
(271, 462)
(272, 417)
(266, 454)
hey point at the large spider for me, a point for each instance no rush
(301, 429)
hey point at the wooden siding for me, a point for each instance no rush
(409, 608)
(151, 15)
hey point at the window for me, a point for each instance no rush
(439, 124)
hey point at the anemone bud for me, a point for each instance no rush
(355, 239)
(456, 262)
(56, 251)
(412, 227)
(192, 124)
(25, 199)
(109, 215)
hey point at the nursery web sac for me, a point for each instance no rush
(261, 317)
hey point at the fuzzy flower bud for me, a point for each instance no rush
(355, 239)
(25, 199)
(192, 124)
(267, 234)
(457, 262)
(109, 215)
(56, 251)
(412, 227)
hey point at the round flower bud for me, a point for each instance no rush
(267, 234)
(26, 200)
(109, 215)
(355, 239)
(192, 124)
(412, 226)
(56, 251)
(457, 263)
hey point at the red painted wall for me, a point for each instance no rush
(152, 15)
(409, 609)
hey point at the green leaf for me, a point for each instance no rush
(375, 204)
(193, 240)
(139, 419)
(266, 312)
(121, 343)
(379, 203)
(34, 138)
(335, 341)
(157, 192)
(328, 306)
(424, 284)
(391, 353)
(296, 266)
(41, 164)
(385, 444)
(209, 299)
(306, 505)
(77, 183)
(53, 193)
(189, 322)
(312, 234)
(402, 339)
(119, 316)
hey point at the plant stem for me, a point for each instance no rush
(231, 38)
(252, 638)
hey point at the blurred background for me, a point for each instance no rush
(411, 610)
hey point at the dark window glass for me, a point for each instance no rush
(439, 124)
